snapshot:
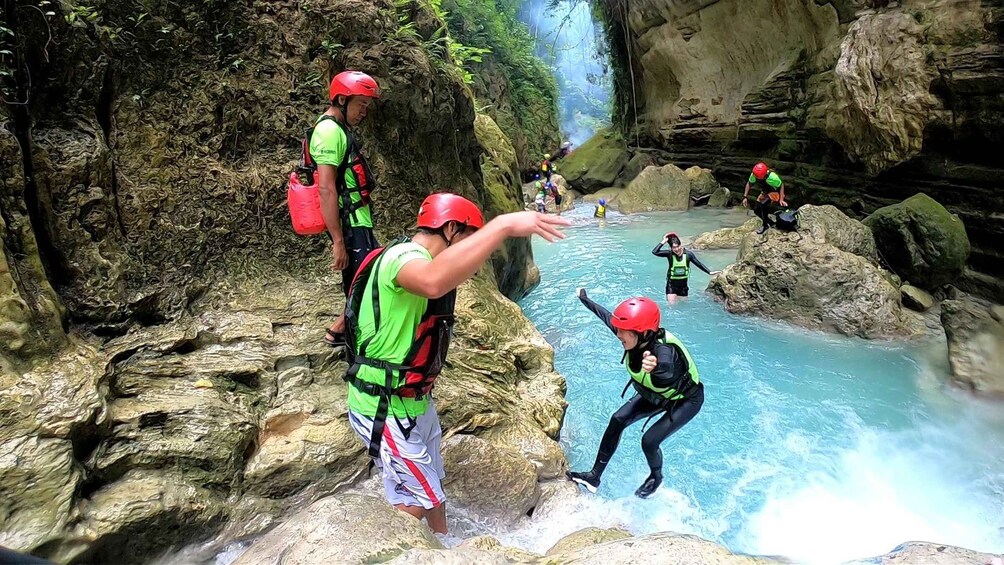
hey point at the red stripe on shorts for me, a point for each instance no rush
(389, 438)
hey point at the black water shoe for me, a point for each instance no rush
(587, 479)
(761, 230)
(649, 487)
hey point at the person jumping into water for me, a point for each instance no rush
(678, 275)
(665, 380)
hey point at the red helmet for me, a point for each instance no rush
(637, 314)
(353, 83)
(442, 207)
(760, 170)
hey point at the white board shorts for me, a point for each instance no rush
(412, 467)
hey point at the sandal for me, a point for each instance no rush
(332, 339)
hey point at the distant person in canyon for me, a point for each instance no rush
(556, 195)
(665, 380)
(547, 167)
(345, 180)
(601, 209)
(771, 191)
(566, 148)
(540, 200)
(680, 259)
(399, 320)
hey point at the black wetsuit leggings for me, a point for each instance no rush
(762, 209)
(637, 408)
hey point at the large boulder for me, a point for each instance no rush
(656, 549)
(726, 238)
(115, 523)
(828, 224)
(346, 528)
(702, 181)
(880, 98)
(934, 554)
(587, 537)
(916, 298)
(638, 162)
(610, 194)
(720, 198)
(921, 241)
(813, 284)
(541, 451)
(656, 188)
(597, 163)
(975, 345)
(488, 481)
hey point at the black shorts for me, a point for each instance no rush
(677, 286)
(557, 200)
(359, 241)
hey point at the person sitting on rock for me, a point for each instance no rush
(771, 189)
(399, 320)
(680, 259)
(665, 380)
(601, 209)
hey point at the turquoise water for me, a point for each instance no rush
(817, 447)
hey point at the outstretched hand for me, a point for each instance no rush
(580, 292)
(648, 362)
(526, 224)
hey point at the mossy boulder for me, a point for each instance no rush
(702, 181)
(597, 163)
(921, 241)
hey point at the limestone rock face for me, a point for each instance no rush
(345, 528)
(596, 163)
(881, 99)
(829, 94)
(491, 482)
(922, 242)
(811, 283)
(514, 261)
(975, 346)
(656, 188)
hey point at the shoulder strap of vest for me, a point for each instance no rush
(350, 145)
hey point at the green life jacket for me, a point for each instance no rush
(679, 267)
(642, 381)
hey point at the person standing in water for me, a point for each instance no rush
(665, 380)
(771, 189)
(398, 325)
(680, 259)
(601, 209)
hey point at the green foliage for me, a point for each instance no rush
(505, 44)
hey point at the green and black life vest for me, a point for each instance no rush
(416, 375)
(679, 267)
(642, 381)
(352, 161)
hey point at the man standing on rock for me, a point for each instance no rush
(344, 179)
(771, 189)
(399, 321)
